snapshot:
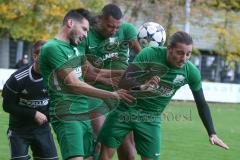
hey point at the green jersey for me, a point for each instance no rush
(112, 52)
(58, 55)
(170, 82)
(109, 53)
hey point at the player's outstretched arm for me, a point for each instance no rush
(107, 77)
(74, 85)
(205, 115)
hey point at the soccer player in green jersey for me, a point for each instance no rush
(143, 116)
(61, 66)
(107, 46)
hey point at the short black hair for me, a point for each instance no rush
(37, 46)
(78, 14)
(180, 37)
(112, 10)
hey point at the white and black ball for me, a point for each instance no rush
(151, 34)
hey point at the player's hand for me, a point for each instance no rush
(214, 140)
(40, 118)
(122, 94)
(151, 84)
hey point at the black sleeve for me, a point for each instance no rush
(203, 111)
(10, 101)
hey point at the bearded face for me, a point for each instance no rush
(78, 32)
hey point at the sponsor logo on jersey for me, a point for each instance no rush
(110, 46)
(33, 103)
(164, 91)
(112, 56)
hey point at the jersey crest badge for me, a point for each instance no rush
(179, 80)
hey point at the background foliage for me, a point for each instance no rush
(32, 20)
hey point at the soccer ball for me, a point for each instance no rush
(151, 34)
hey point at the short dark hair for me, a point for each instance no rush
(180, 37)
(112, 10)
(77, 14)
(37, 47)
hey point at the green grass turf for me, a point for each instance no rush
(187, 139)
(184, 137)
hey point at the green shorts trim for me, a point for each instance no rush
(75, 138)
(146, 129)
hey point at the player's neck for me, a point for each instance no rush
(36, 68)
(62, 35)
(99, 30)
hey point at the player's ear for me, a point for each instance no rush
(34, 56)
(70, 23)
(170, 49)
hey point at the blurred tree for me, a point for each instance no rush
(228, 32)
(159, 11)
(94, 5)
(32, 20)
(223, 20)
(170, 14)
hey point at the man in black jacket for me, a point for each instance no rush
(25, 98)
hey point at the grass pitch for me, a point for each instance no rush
(184, 137)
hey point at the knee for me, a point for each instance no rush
(126, 156)
(104, 156)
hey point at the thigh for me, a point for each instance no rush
(43, 146)
(127, 150)
(19, 145)
(97, 114)
(97, 120)
(88, 139)
(114, 129)
(147, 137)
(70, 138)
